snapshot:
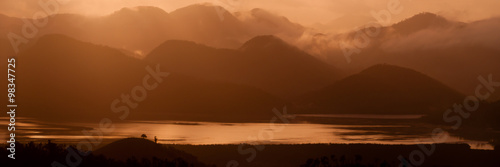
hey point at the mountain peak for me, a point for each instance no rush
(140, 10)
(386, 68)
(203, 9)
(385, 89)
(181, 44)
(264, 41)
(426, 15)
(421, 21)
(394, 73)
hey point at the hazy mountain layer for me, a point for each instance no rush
(382, 89)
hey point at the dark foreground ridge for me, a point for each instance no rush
(134, 152)
(130, 152)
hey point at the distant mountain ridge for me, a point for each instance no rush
(425, 42)
(78, 81)
(141, 28)
(382, 89)
(422, 21)
(265, 62)
(217, 81)
(453, 52)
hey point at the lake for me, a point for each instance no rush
(377, 131)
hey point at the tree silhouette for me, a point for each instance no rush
(32, 154)
(144, 136)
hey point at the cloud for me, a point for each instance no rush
(262, 22)
(480, 33)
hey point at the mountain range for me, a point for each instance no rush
(142, 28)
(265, 62)
(233, 70)
(455, 53)
(80, 80)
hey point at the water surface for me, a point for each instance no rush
(201, 133)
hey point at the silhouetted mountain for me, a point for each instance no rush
(208, 13)
(415, 24)
(79, 81)
(134, 29)
(266, 43)
(187, 98)
(140, 29)
(8, 25)
(422, 21)
(265, 62)
(141, 148)
(210, 25)
(344, 23)
(382, 89)
(427, 43)
(262, 22)
(63, 76)
(139, 12)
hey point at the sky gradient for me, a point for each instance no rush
(304, 12)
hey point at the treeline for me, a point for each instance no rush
(44, 155)
(343, 161)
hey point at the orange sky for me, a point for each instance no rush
(303, 11)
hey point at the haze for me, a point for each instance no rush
(318, 82)
(304, 12)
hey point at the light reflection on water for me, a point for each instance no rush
(175, 132)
